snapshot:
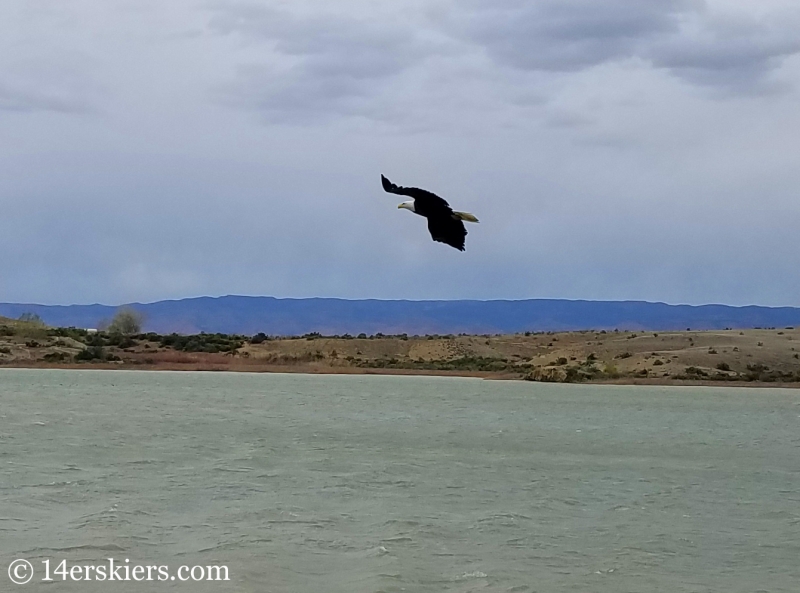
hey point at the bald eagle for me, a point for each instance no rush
(444, 224)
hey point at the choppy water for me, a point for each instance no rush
(365, 484)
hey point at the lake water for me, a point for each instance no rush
(354, 484)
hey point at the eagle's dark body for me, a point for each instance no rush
(444, 225)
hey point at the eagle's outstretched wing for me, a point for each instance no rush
(449, 230)
(430, 198)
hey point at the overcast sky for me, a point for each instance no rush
(623, 149)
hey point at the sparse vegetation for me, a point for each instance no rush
(543, 356)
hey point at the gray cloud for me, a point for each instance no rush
(321, 65)
(31, 100)
(681, 36)
(738, 55)
(558, 35)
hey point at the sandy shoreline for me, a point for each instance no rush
(307, 370)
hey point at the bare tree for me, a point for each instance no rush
(32, 318)
(126, 321)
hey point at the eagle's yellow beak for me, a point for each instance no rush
(401, 206)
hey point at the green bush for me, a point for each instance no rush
(91, 353)
(210, 343)
(75, 333)
(120, 340)
(258, 338)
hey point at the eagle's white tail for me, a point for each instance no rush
(466, 216)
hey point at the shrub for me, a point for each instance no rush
(573, 376)
(258, 338)
(127, 321)
(211, 343)
(91, 353)
(723, 366)
(120, 340)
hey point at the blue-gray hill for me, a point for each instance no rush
(250, 315)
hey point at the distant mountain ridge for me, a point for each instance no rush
(249, 315)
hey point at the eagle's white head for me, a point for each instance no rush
(407, 205)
